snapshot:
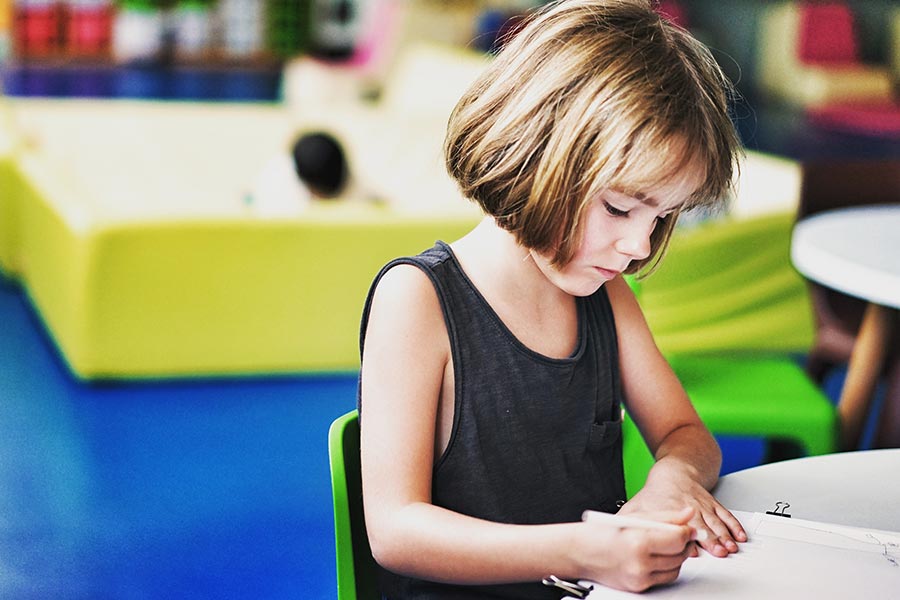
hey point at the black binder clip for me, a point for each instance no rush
(780, 510)
(571, 588)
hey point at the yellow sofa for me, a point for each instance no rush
(132, 228)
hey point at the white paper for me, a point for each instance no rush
(789, 558)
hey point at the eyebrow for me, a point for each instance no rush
(648, 200)
(642, 198)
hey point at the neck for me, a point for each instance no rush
(495, 256)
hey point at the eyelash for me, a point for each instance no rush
(617, 212)
(613, 211)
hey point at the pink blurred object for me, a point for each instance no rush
(674, 12)
(89, 28)
(881, 119)
(826, 34)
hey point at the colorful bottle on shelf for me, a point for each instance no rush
(242, 28)
(138, 32)
(37, 28)
(89, 28)
(192, 29)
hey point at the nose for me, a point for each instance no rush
(634, 242)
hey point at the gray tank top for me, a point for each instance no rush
(535, 439)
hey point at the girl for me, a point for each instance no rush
(494, 368)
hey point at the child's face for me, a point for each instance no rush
(616, 231)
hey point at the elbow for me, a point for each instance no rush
(390, 556)
(399, 540)
(381, 551)
(386, 547)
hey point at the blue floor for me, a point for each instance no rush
(212, 489)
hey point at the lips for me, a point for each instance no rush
(607, 273)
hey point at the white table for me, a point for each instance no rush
(853, 489)
(857, 251)
(860, 489)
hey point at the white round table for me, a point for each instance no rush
(857, 251)
(853, 250)
(859, 489)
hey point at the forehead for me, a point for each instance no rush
(664, 188)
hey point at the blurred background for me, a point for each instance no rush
(196, 195)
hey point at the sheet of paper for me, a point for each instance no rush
(789, 558)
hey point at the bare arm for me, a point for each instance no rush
(687, 456)
(405, 358)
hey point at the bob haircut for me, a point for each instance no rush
(591, 95)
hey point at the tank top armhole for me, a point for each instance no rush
(603, 302)
(423, 266)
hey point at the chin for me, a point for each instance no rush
(585, 289)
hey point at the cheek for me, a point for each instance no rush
(600, 227)
(596, 238)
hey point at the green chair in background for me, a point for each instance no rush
(356, 577)
(727, 310)
(729, 284)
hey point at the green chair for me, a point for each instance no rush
(356, 577)
(744, 395)
(727, 309)
(729, 285)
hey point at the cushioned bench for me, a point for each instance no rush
(133, 229)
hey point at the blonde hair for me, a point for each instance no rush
(590, 95)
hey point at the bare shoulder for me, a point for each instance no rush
(405, 310)
(407, 290)
(618, 287)
(635, 339)
(624, 304)
(405, 354)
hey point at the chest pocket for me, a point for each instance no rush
(605, 434)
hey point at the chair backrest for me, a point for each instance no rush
(356, 568)
(826, 34)
(728, 285)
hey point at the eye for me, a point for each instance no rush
(613, 211)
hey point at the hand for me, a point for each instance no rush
(635, 559)
(667, 490)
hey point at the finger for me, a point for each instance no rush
(714, 545)
(701, 532)
(667, 562)
(718, 539)
(664, 576)
(723, 535)
(728, 544)
(734, 526)
(670, 543)
(695, 550)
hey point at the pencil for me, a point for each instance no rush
(637, 523)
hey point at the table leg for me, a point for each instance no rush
(862, 373)
(888, 433)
